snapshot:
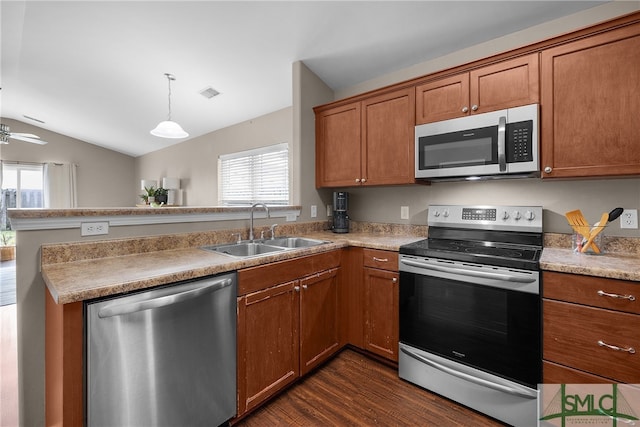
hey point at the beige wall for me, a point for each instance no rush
(104, 176)
(195, 161)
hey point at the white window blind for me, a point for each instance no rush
(260, 175)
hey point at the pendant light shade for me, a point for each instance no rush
(169, 128)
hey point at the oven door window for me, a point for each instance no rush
(493, 329)
(475, 147)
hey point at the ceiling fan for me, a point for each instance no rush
(6, 134)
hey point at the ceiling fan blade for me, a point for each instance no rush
(24, 138)
(26, 135)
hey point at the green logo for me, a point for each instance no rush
(598, 405)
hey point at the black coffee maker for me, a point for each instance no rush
(340, 217)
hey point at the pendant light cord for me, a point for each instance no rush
(169, 78)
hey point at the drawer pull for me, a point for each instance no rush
(607, 294)
(381, 259)
(629, 350)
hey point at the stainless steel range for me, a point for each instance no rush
(470, 323)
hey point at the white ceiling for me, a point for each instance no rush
(94, 70)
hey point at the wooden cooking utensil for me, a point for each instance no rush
(578, 222)
(593, 233)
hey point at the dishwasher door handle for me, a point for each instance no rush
(121, 309)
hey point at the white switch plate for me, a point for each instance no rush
(314, 211)
(404, 212)
(629, 218)
(94, 228)
(329, 210)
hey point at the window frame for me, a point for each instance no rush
(256, 160)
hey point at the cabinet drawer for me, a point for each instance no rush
(385, 260)
(621, 295)
(552, 373)
(572, 333)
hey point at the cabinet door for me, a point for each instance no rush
(268, 343)
(590, 106)
(442, 99)
(338, 140)
(318, 319)
(507, 84)
(381, 312)
(388, 129)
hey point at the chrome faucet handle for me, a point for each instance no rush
(262, 235)
(239, 236)
(273, 231)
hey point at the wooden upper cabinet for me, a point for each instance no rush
(338, 146)
(442, 99)
(388, 130)
(590, 105)
(506, 84)
(370, 142)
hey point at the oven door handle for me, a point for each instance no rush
(471, 273)
(514, 390)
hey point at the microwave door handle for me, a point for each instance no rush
(502, 130)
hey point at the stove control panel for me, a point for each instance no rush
(510, 218)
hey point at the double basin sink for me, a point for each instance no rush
(247, 249)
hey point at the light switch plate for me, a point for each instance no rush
(314, 211)
(404, 212)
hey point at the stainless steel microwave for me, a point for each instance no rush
(498, 144)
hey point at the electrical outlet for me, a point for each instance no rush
(629, 218)
(94, 228)
(329, 210)
(404, 212)
(314, 211)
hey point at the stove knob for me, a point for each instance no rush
(516, 215)
(529, 215)
(436, 213)
(445, 213)
(505, 215)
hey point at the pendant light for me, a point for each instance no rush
(168, 128)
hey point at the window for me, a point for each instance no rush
(260, 175)
(21, 188)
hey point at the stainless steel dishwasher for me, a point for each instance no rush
(163, 357)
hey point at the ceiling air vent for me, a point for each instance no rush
(209, 92)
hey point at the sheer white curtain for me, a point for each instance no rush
(60, 186)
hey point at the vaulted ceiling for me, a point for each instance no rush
(94, 70)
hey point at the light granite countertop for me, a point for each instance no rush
(110, 274)
(614, 265)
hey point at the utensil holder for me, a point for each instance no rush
(578, 241)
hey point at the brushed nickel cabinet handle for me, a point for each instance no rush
(394, 280)
(474, 107)
(381, 259)
(629, 350)
(465, 109)
(296, 288)
(548, 169)
(607, 294)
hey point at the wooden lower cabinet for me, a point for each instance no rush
(591, 329)
(381, 293)
(287, 328)
(268, 344)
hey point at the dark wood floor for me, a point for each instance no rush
(354, 390)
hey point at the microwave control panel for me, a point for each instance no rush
(519, 141)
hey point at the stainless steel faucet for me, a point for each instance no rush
(252, 209)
